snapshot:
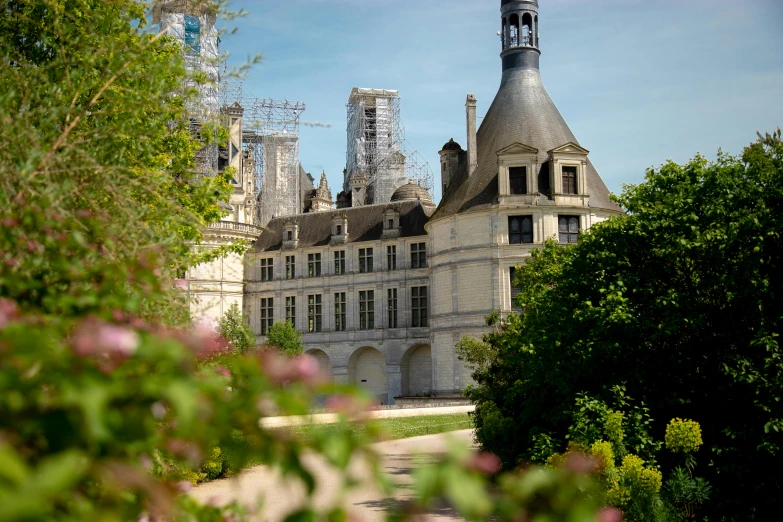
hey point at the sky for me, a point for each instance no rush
(638, 81)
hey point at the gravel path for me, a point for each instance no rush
(281, 497)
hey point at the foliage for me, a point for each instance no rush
(97, 170)
(283, 336)
(679, 301)
(683, 436)
(234, 328)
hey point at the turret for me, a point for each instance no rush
(449, 160)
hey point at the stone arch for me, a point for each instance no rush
(324, 362)
(416, 371)
(367, 369)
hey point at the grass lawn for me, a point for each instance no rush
(399, 428)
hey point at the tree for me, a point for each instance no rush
(234, 328)
(283, 336)
(681, 302)
(97, 171)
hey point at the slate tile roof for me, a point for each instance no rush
(364, 224)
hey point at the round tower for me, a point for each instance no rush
(519, 34)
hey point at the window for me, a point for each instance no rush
(520, 229)
(267, 314)
(418, 255)
(192, 35)
(569, 180)
(290, 235)
(365, 260)
(391, 257)
(339, 230)
(340, 324)
(339, 262)
(267, 269)
(391, 224)
(290, 267)
(392, 293)
(419, 306)
(313, 265)
(314, 313)
(517, 180)
(512, 275)
(367, 310)
(290, 310)
(568, 229)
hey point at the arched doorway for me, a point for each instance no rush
(416, 370)
(367, 369)
(324, 362)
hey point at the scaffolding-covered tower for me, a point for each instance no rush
(377, 148)
(192, 23)
(270, 138)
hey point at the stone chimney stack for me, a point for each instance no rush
(470, 109)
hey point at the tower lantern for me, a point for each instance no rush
(519, 34)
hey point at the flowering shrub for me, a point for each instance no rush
(683, 436)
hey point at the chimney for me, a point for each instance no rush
(470, 109)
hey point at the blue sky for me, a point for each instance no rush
(638, 81)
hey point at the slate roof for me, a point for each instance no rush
(364, 224)
(522, 112)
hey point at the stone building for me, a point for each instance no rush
(384, 292)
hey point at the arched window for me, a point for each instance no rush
(527, 30)
(514, 31)
(568, 229)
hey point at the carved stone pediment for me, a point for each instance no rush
(517, 148)
(569, 148)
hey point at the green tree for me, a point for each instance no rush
(283, 336)
(681, 302)
(234, 328)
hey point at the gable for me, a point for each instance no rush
(517, 148)
(569, 148)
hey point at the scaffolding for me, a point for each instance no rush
(192, 24)
(377, 146)
(270, 136)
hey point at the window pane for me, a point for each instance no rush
(573, 225)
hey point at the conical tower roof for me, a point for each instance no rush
(522, 112)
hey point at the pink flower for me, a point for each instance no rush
(578, 463)
(181, 284)
(485, 463)
(95, 337)
(609, 514)
(183, 486)
(8, 312)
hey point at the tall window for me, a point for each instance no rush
(340, 324)
(517, 179)
(512, 275)
(192, 35)
(520, 229)
(391, 257)
(392, 294)
(367, 310)
(290, 310)
(568, 229)
(339, 262)
(267, 314)
(290, 267)
(569, 180)
(313, 265)
(418, 255)
(314, 313)
(267, 269)
(419, 306)
(365, 260)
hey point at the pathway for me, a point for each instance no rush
(366, 502)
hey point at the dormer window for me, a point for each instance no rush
(290, 235)
(517, 178)
(391, 224)
(339, 228)
(569, 180)
(517, 164)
